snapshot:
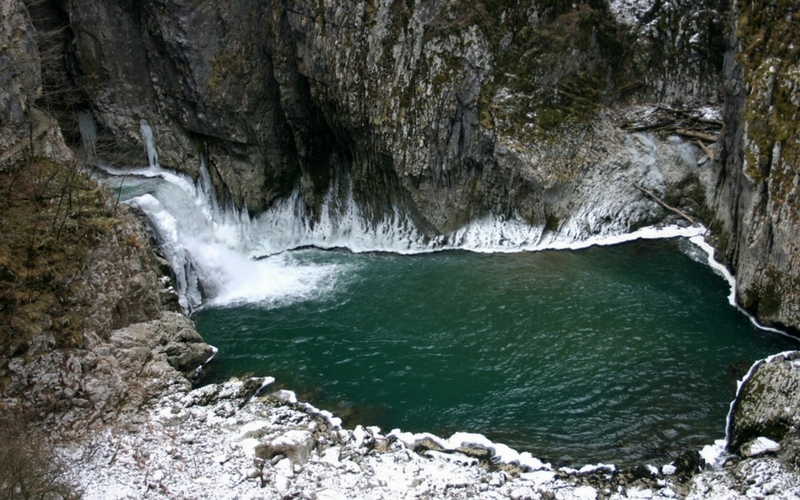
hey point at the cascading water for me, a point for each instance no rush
(208, 248)
(222, 255)
(149, 143)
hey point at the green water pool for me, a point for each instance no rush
(621, 354)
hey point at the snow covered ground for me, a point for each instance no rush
(220, 442)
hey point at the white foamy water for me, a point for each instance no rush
(208, 248)
(222, 256)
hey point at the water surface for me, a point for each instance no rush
(610, 354)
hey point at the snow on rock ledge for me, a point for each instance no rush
(224, 442)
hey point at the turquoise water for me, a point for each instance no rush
(610, 354)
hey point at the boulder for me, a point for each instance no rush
(766, 409)
(295, 445)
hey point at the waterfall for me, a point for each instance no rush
(149, 143)
(209, 249)
(224, 256)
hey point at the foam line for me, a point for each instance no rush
(701, 243)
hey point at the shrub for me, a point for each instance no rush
(50, 218)
(29, 470)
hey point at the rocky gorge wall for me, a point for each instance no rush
(88, 323)
(448, 110)
(134, 345)
(757, 206)
(451, 111)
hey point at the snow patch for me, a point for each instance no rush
(715, 454)
(760, 446)
(630, 11)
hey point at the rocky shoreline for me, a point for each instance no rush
(135, 427)
(230, 441)
(130, 424)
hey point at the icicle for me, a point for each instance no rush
(88, 130)
(149, 143)
(212, 248)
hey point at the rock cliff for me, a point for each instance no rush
(20, 72)
(757, 205)
(87, 321)
(448, 111)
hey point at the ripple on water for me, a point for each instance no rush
(613, 354)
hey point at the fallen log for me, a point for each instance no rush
(665, 205)
(623, 88)
(705, 149)
(710, 121)
(696, 135)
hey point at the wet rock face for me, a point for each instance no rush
(765, 417)
(445, 109)
(757, 192)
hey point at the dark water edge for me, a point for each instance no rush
(622, 354)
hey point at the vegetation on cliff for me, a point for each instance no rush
(50, 218)
(28, 469)
(562, 67)
(768, 32)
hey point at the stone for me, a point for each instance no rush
(689, 462)
(766, 407)
(20, 74)
(295, 445)
(406, 113)
(641, 471)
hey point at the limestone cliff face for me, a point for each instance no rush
(758, 209)
(449, 111)
(20, 75)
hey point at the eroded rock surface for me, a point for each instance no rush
(445, 111)
(757, 204)
(766, 414)
(20, 71)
